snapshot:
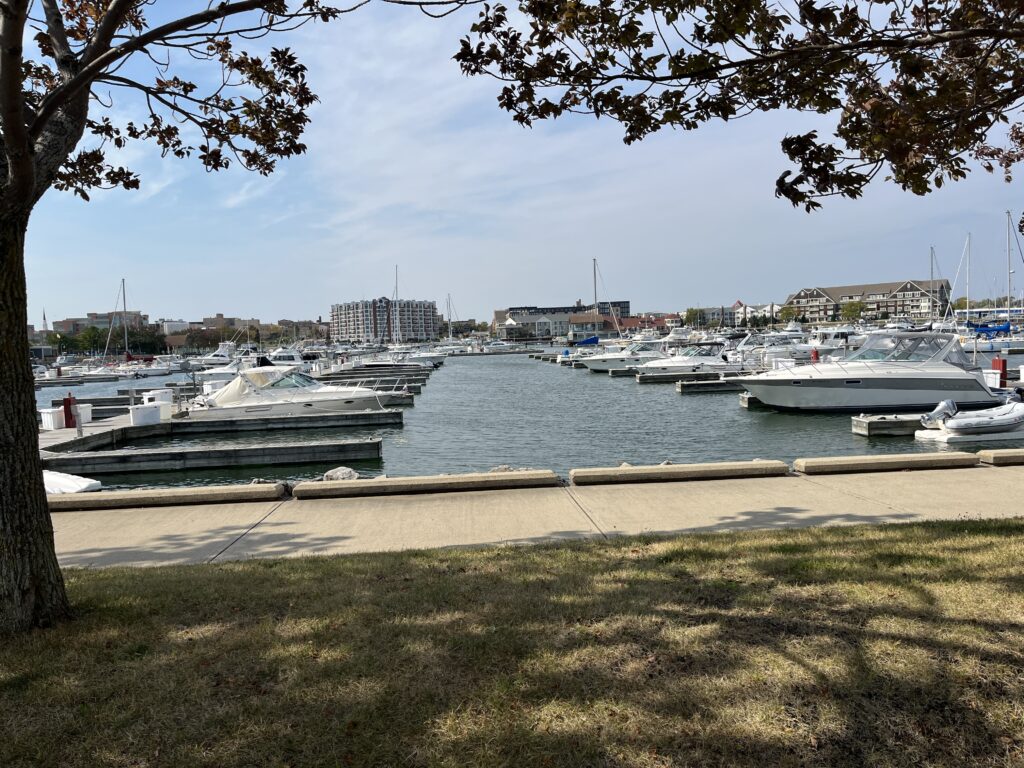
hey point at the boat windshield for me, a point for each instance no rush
(911, 348)
(293, 380)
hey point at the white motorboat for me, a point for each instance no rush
(835, 342)
(703, 356)
(224, 372)
(889, 372)
(223, 355)
(277, 391)
(632, 356)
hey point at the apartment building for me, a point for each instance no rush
(385, 320)
(913, 299)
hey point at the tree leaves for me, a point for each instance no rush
(915, 90)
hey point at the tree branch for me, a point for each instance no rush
(62, 93)
(62, 52)
(112, 20)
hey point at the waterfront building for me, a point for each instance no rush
(534, 326)
(384, 320)
(608, 308)
(171, 327)
(102, 320)
(914, 299)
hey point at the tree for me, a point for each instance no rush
(66, 67)
(91, 340)
(693, 317)
(916, 88)
(787, 314)
(852, 310)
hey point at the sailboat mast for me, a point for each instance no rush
(1009, 272)
(124, 318)
(931, 283)
(596, 312)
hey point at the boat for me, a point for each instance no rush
(835, 342)
(701, 356)
(224, 372)
(947, 417)
(223, 355)
(61, 482)
(889, 372)
(276, 391)
(632, 356)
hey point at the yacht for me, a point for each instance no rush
(701, 356)
(276, 391)
(224, 372)
(223, 355)
(632, 356)
(889, 372)
(835, 342)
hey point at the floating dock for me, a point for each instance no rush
(206, 457)
(118, 431)
(751, 403)
(888, 425)
(701, 387)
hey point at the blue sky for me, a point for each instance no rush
(410, 163)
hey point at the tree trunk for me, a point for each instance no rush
(31, 586)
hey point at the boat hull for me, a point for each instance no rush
(293, 408)
(836, 395)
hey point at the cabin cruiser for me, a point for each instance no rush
(289, 358)
(276, 391)
(835, 342)
(893, 372)
(224, 372)
(700, 356)
(223, 355)
(632, 356)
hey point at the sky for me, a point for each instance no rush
(410, 163)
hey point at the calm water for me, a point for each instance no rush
(480, 412)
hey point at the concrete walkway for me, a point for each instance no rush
(221, 532)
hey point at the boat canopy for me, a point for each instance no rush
(912, 348)
(254, 379)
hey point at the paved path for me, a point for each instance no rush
(219, 532)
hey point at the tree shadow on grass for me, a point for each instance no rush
(831, 647)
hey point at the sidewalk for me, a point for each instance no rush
(223, 532)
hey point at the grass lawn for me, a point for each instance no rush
(897, 645)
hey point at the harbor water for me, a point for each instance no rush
(476, 413)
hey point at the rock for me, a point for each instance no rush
(341, 473)
(666, 463)
(625, 464)
(261, 481)
(507, 468)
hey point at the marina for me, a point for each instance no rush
(483, 411)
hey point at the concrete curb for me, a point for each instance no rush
(478, 481)
(885, 463)
(214, 494)
(1002, 457)
(678, 472)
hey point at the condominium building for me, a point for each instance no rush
(384, 320)
(914, 299)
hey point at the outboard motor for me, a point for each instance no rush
(942, 411)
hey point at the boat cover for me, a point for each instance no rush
(60, 482)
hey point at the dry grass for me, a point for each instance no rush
(899, 645)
